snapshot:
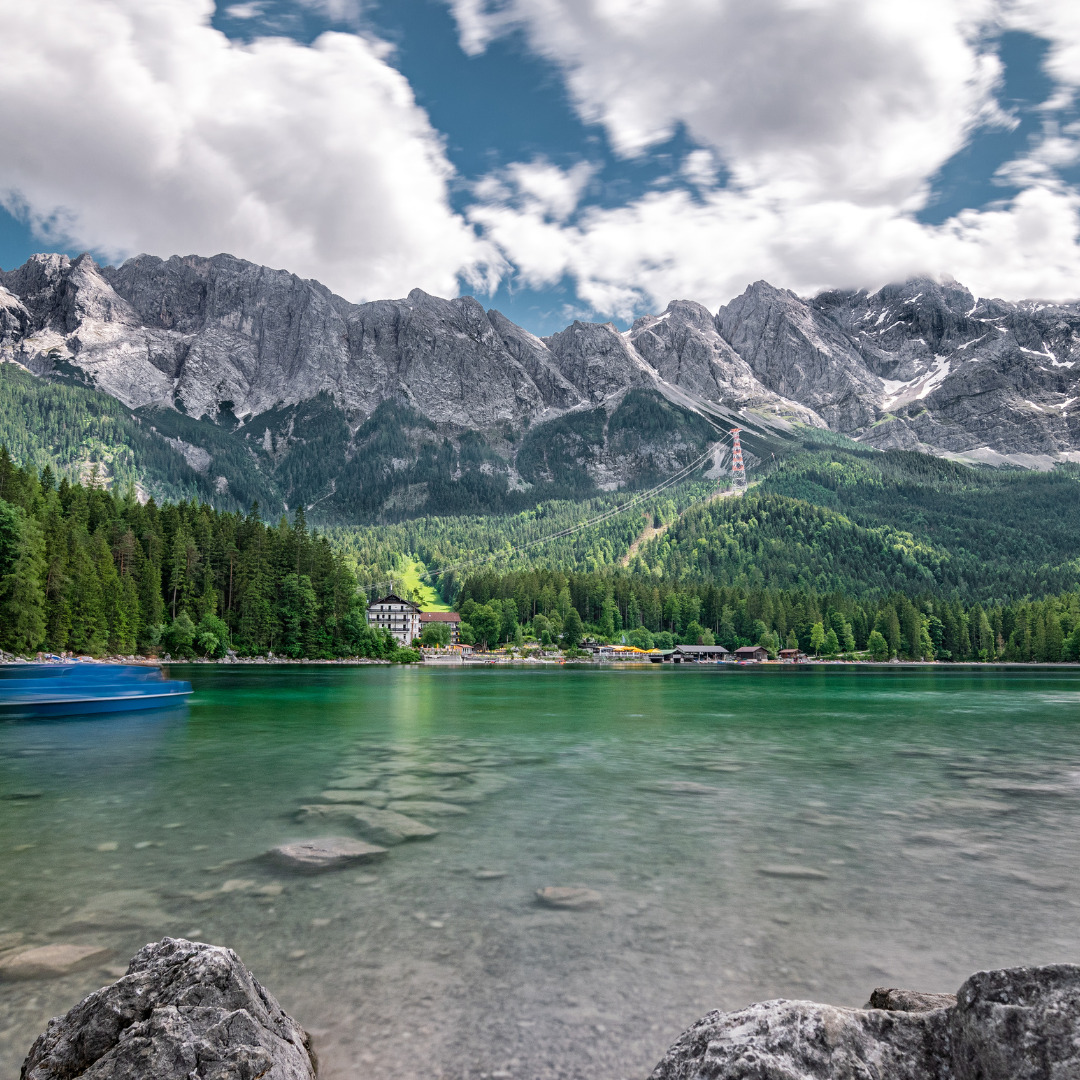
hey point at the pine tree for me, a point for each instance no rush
(1055, 639)
(116, 629)
(89, 631)
(22, 596)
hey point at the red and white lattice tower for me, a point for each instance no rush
(738, 470)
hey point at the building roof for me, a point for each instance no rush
(749, 650)
(393, 598)
(439, 616)
(702, 650)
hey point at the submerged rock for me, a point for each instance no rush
(325, 853)
(49, 961)
(120, 909)
(379, 826)
(563, 896)
(805, 872)
(350, 795)
(408, 787)
(477, 789)
(238, 884)
(10, 939)
(183, 1010)
(1017, 1024)
(425, 808)
(354, 781)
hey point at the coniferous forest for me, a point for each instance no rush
(85, 570)
(654, 613)
(837, 550)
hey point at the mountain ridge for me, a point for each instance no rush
(467, 397)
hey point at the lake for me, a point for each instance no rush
(779, 832)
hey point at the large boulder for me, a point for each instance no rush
(1017, 1024)
(183, 1011)
(801, 1040)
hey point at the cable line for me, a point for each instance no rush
(606, 515)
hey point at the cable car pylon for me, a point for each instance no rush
(738, 469)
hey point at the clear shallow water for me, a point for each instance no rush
(941, 806)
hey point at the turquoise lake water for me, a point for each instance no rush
(780, 832)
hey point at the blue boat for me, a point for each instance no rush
(79, 689)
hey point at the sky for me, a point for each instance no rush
(558, 159)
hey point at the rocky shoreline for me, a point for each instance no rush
(187, 1010)
(157, 661)
(358, 661)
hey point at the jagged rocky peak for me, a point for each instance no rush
(442, 356)
(680, 312)
(188, 293)
(558, 392)
(61, 293)
(902, 323)
(37, 278)
(800, 353)
(597, 359)
(685, 348)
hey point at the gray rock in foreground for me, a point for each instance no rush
(1017, 1024)
(183, 1011)
(909, 1000)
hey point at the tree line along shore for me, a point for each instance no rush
(85, 570)
(91, 571)
(555, 606)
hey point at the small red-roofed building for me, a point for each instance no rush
(451, 618)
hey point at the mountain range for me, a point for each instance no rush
(265, 383)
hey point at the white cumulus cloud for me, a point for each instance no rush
(133, 125)
(829, 120)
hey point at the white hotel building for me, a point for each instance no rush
(400, 617)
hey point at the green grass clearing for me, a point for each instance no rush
(408, 581)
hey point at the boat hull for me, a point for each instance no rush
(83, 689)
(89, 706)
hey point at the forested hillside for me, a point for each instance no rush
(75, 430)
(866, 522)
(87, 570)
(394, 466)
(550, 533)
(826, 519)
(550, 605)
(942, 559)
